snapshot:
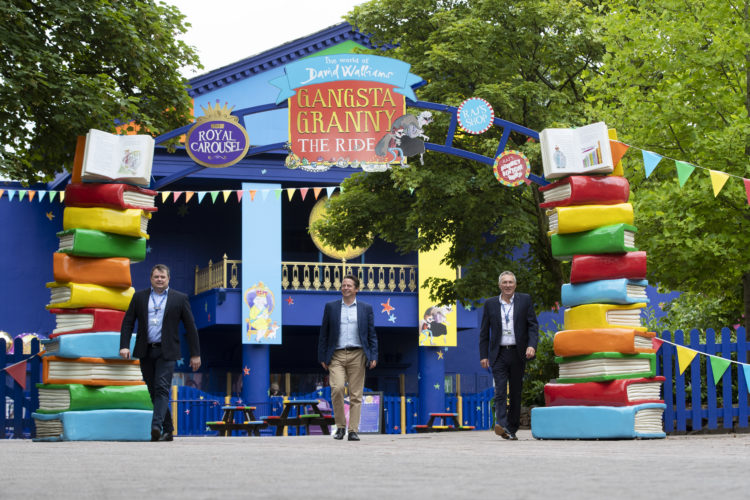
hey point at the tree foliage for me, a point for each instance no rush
(527, 58)
(674, 81)
(70, 65)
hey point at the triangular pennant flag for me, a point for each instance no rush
(214, 195)
(718, 179)
(188, 195)
(3, 190)
(11, 194)
(226, 194)
(21, 194)
(252, 194)
(411, 190)
(685, 357)
(303, 192)
(201, 194)
(164, 195)
(341, 189)
(62, 195)
(656, 343)
(239, 194)
(176, 196)
(746, 371)
(277, 192)
(330, 190)
(41, 195)
(747, 189)
(718, 367)
(18, 372)
(683, 171)
(264, 194)
(31, 195)
(316, 192)
(618, 151)
(290, 193)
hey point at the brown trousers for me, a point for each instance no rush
(347, 366)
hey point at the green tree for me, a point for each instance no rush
(527, 59)
(70, 65)
(674, 81)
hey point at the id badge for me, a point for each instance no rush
(507, 334)
(154, 321)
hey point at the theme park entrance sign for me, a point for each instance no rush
(350, 110)
(217, 139)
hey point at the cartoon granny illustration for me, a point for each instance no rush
(260, 326)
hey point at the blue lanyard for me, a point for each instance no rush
(157, 308)
(506, 312)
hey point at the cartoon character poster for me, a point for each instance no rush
(260, 326)
(437, 322)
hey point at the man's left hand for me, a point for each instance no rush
(530, 352)
(195, 363)
(373, 364)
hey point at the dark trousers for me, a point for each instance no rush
(508, 370)
(157, 373)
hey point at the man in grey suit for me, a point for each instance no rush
(159, 310)
(347, 344)
(507, 338)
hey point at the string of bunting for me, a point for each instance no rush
(18, 370)
(719, 365)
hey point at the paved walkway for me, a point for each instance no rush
(472, 465)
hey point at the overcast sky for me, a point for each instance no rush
(225, 31)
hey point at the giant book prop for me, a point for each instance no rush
(566, 220)
(90, 243)
(119, 158)
(602, 366)
(91, 371)
(604, 316)
(113, 272)
(54, 398)
(616, 238)
(116, 196)
(631, 265)
(104, 345)
(94, 425)
(84, 320)
(583, 150)
(130, 222)
(616, 291)
(620, 392)
(582, 342)
(584, 190)
(77, 295)
(598, 422)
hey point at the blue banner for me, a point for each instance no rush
(342, 67)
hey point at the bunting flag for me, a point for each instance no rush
(303, 193)
(684, 170)
(62, 195)
(657, 343)
(164, 195)
(11, 194)
(252, 194)
(1, 192)
(18, 372)
(290, 193)
(746, 371)
(277, 193)
(329, 190)
(264, 194)
(685, 356)
(176, 196)
(618, 151)
(718, 367)
(718, 179)
(41, 195)
(239, 195)
(226, 194)
(214, 195)
(747, 189)
(31, 195)
(316, 192)
(201, 194)
(188, 195)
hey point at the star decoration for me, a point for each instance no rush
(180, 362)
(263, 171)
(246, 370)
(148, 248)
(467, 307)
(50, 215)
(216, 403)
(415, 415)
(479, 408)
(209, 316)
(408, 400)
(440, 355)
(437, 386)
(182, 211)
(187, 412)
(320, 393)
(200, 397)
(387, 307)
(395, 427)
(290, 300)
(392, 318)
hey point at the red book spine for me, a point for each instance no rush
(103, 195)
(590, 190)
(612, 393)
(630, 265)
(105, 320)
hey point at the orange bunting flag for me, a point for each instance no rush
(718, 179)
(3, 190)
(31, 195)
(718, 367)
(164, 195)
(18, 372)
(316, 192)
(303, 192)
(239, 194)
(188, 195)
(252, 194)
(618, 151)
(747, 189)
(684, 357)
(176, 195)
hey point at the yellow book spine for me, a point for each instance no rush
(88, 295)
(125, 222)
(595, 316)
(586, 217)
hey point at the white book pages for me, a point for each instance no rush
(644, 391)
(649, 421)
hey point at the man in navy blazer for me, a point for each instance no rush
(507, 338)
(347, 344)
(159, 310)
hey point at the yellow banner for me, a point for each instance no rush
(437, 323)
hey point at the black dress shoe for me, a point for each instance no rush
(339, 433)
(167, 436)
(512, 436)
(500, 431)
(155, 433)
(353, 436)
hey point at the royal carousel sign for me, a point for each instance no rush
(217, 139)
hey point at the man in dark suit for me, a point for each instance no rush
(507, 338)
(347, 344)
(159, 311)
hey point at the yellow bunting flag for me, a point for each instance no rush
(718, 179)
(684, 357)
(718, 367)
(316, 192)
(164, 195)
(62, 195)
(188, 195)
(226, 194)
(290, 193)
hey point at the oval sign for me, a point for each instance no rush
(512, 168)
(217, 143)
(475, 115)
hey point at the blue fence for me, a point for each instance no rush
(19, 403)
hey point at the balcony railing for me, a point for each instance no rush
(315, 276)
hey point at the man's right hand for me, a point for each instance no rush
(325, 366)
(485, 363)
(125, 353)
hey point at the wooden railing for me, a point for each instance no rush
(315, 276)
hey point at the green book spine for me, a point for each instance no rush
(84, 397)
(92, 243)
(651, 372)
(605, 239)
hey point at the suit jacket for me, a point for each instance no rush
(525, 327)
(331, 328)
(176, 309)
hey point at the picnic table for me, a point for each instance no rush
(248, 423)
(300, 417)
(447, 422)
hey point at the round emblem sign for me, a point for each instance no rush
(512, 168)
(475, 115)
(217, 143)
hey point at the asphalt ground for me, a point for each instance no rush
(455, 465)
